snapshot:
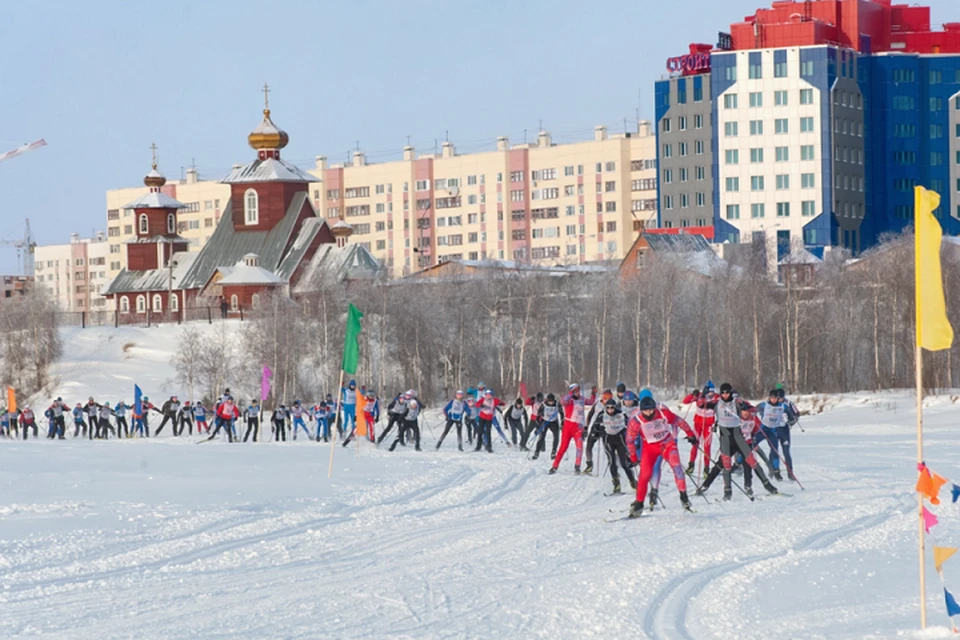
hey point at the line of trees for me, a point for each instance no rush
(29, 342)
(665, 326)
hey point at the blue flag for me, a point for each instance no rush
(955, 493)
(137, 402)
(952, 607)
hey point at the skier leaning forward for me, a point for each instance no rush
(652, 428)
(732, 441)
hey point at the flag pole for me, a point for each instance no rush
(333, 436)
(920, 525)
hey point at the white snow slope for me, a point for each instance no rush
(162, 538)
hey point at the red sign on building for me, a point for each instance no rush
(689, 64)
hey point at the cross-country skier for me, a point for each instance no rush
(371, 414)
(613, 421)
(369, 419)
(200, 415)
(395, 411)
(348, 409)
(454, 412)
(549, 418)
(142, 419)
(120, 410)
(773, 418)
(319, 413)
(471, 419)
(732, 441)
(488, 408)
(279, 421)
(103, 423)
(58, 409)
(297, 415)
(593, 431)
(703, 419)
(227, 414)
(533, 424)
(574, 412)
(28, 420)
(92, 411)
(185, 418)
(651, 429)
(410, 427)
(79, 424)
(516, 418)
(750, 428)
(170, 411)
(252, 417)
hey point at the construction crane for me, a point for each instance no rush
(25, 247)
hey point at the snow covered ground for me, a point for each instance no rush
(167, 539)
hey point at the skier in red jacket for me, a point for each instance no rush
(652, 428)
(226, 412)
(574, 415)
(703, 421)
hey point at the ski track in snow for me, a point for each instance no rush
(161, 539)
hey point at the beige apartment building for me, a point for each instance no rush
(73, 273)
(533, 203)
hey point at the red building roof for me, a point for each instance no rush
(869, 26)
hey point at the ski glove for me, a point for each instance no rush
(692, 440)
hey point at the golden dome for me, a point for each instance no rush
(342, 229)
(267, 135)
(154, 178)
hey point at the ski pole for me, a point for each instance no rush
(734, 482)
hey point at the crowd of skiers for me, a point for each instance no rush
(634, 429)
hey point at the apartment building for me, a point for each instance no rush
(73, 273)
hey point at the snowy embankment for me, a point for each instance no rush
(168, 539)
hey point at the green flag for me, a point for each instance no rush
(351, 348)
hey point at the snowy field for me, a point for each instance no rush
(167, 539)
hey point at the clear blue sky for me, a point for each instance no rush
(102, 80)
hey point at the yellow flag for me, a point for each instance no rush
(941, 554)
(933, 329)
(11, 400)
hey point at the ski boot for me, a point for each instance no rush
(776, 474)
(727, 493)
(576, 470)
(552, 471)
(636, 509)
(654, 494)
(685, 501)
(772, 490)
(535, 455)
(690, 468)
(633, 484)
(589, 468)
(790, 475)
(747, 489)
(616, 486)
(460, 447)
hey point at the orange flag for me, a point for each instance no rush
(940, 555)
(929, 485)
(11, 400)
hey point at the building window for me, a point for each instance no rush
(144, 224)
(756, 127)
(730, 73)
(732, 156)
(174, 303)
(756, 183)
(808, 208)
(783, 209)
(730, 101)
(806, 96)
(806, 69)
(756, 155)
(732, 185)
(234, 302)
(808, 181)
(171, 223)
(783, 182)
(124, 305)
(756, 70)
(700, 173)
(157, 303)
(756, 99)
(806, 125)
(781, 126)
(733, 212)
(698, 147)
(141, 304)
(782, 154)
(780, 70)
(806, 152)
(757, 210)
(730, 129)
(251, 207)
(780, 98)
